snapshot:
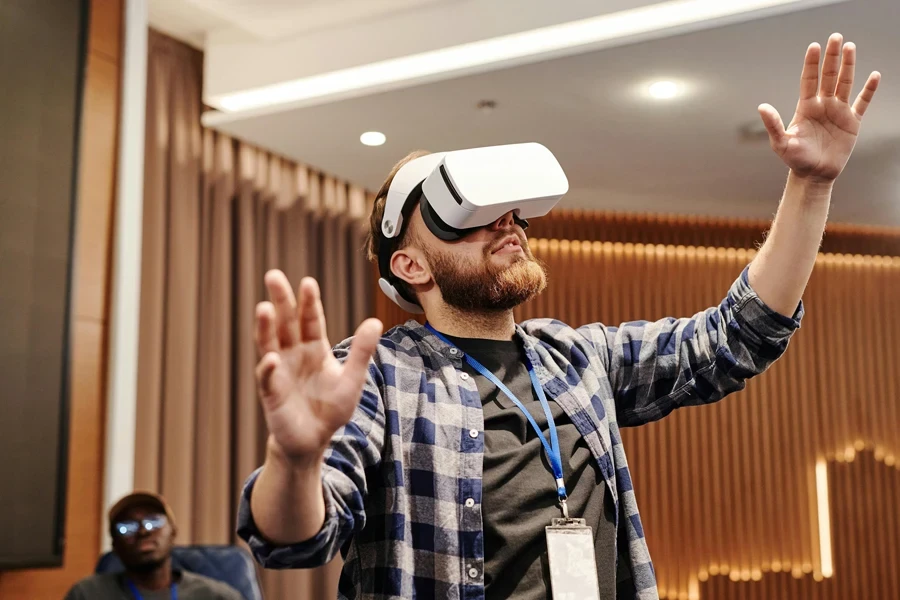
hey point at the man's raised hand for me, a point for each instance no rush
(305, 392)
(820, 138)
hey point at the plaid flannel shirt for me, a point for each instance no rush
(403, 479)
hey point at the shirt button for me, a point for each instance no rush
(470, 502)
(473, 572)
(464, 376)
(473, 433)
(454, 351)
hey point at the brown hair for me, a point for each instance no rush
(375, 238)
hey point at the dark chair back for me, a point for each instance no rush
(228, 564)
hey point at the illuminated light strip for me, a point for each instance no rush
(824, 513)
(514, 49)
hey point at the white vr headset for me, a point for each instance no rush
(461, 191)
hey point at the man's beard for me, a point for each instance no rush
(486, 286)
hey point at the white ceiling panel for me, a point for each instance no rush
(273, 19)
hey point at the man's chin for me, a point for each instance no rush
(518, 284)
(502, 283)
(147, 563)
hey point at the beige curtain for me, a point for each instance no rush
(217, 214)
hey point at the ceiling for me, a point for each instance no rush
(620, 150)
(193, 20)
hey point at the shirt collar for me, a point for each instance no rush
(436, 346)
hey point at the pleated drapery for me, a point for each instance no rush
(217, 214)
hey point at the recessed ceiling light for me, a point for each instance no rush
(373, 138)
(663, 90)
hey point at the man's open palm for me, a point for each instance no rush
(305, 392)
(820, 138)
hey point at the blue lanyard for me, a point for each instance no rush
(137, 594)
(553, 453)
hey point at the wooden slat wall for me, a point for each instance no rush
(96, 201)
(729, 489)
(681, 230)
(863, 493)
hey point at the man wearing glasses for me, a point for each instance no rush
(143, 533)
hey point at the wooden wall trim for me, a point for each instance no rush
(682, 230)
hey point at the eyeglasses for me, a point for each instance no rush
(130, 528)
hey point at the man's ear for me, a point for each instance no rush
(409, 265)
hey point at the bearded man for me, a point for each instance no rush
(423, 456)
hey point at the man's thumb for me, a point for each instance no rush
(774, 125)
(365, 340)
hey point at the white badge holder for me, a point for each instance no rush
(573, 565)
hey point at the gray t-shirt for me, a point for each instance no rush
(518, 494)
(189, 586)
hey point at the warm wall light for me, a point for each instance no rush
(373, 138)
(515, 49)
(824, 518)
(693, 589)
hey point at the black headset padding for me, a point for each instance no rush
(438, 226)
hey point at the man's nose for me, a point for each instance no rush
(504, 222)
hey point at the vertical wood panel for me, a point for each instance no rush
(96, 188)
(106, 29)
(93, 230)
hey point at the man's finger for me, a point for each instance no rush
(285, 304)
(809, 78)
(830, 65)
(266, 338)
(310, 312)
(866, 94)
(365, 340)
(774, 126)
(845, 77)
(265, 371)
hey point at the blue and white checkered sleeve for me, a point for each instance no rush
(655, 367)
(355, 449)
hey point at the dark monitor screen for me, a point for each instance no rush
(42, 57)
